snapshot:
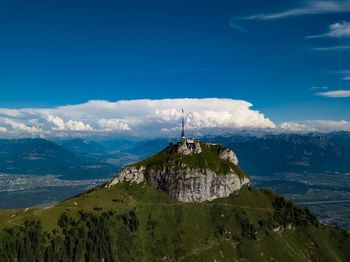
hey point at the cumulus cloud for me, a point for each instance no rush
(77, 126)
(339, 30)
(311, 7)
(71, 125)
(57, 121)
(136, 117)
(20, 127)
(335, 93)
(149, 118)
(336, 30)
(113, 125)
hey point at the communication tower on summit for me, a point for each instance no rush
(183, 125)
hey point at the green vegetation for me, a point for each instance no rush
(208, 158)
(91, 237)
(130, 222)
(287, 213)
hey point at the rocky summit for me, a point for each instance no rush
(189, 171)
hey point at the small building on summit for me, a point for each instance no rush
(188, 145)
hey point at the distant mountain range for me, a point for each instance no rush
(82, 146)
(41, 157)
(271, 154)
(258, 156)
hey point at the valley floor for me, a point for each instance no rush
(326, 195)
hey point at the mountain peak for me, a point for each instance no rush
(189, 171)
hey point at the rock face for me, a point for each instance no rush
(191, 185)
(130, 174)
(185, 183)
(188, 147)
(229, 155)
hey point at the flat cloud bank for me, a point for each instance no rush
(135, 117)
(146, 117)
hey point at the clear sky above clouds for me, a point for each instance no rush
(289, 59)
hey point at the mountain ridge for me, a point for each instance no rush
(37, 156)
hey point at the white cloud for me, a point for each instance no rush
(149, 118)
(113, 125)
(335, 93)
(20, 127)
(71, 125)
(331, 125)
(136, 117)
(346, 77)
(57, 121)
(339, 30)
(295, 127)
(77, 126)
(336, 30)
(311, 7)
(315, 125)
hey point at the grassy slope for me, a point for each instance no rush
(202, 231)
(208, 158)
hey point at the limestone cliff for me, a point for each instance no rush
(189, 171)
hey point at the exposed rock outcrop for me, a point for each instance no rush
(195, 185)
(130, 174)
(183, 149)
(188, 147)
(229, 155)
(183, 182)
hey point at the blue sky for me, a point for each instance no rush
(278, 55)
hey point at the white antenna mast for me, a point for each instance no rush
(183, 125)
